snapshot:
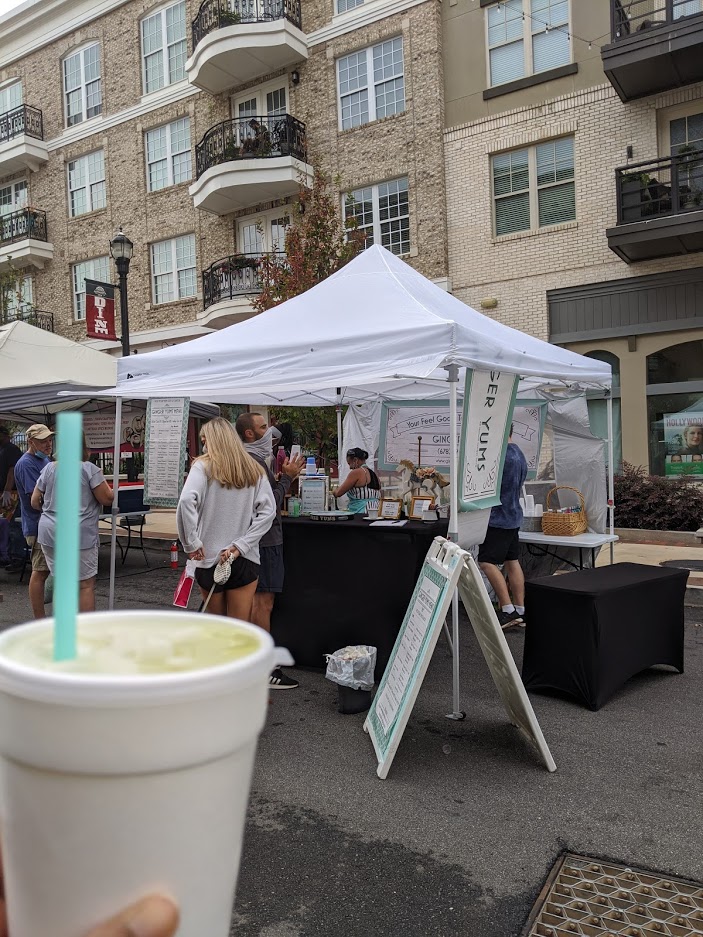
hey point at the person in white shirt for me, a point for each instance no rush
(225, 508)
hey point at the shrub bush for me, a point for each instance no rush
(649, 502)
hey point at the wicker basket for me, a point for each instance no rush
(564, 525)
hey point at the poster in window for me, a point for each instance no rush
(683, 439)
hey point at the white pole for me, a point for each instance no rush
(453, 379)
(611, 470)
(340, 452)
(115, 490)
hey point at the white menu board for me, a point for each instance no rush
(390, 699)
(164, 461)
(412, 651)
(446, 567)
(313, 493)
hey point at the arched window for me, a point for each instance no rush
(608, 358)
(675, 409)
(598, 408)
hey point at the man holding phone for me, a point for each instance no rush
(257, 439)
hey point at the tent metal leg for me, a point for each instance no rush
(453, 380)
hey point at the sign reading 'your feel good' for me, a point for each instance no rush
(488, 405)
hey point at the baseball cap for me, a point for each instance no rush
(39, 431)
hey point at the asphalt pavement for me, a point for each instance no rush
(459, 838)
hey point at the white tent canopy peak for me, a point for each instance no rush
(374, 327)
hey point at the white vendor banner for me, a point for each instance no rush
(488, 405)
(164, 463)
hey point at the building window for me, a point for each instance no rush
(526, 37)
(371, 83)
(86, 184)
(534, 187)
(13, 196)
(260, 102)
(82, 85)
(344, 5)
(382, 214)
(263, 234)
(10, 97)
(16, 297)
(173, 269)
(96, 269)
(164, 47)
(168, 155)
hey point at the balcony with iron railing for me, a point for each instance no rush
(228, 286)
(235, 41)
(655, 45)
(659, 207)
(24, 239)
(29, 314)
(248, 160)
(22, 143)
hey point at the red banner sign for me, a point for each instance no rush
(100, 310)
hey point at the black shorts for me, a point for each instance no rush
(501, 544)
(272, 569)
(242, 573)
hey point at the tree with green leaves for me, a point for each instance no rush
(318, 243)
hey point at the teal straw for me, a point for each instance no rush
(67, 537)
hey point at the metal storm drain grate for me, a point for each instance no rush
(600, 899)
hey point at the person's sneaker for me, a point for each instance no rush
(279, 681)
(509, 619)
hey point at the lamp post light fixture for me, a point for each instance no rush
(121, 250)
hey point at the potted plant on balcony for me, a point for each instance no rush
(231, 150)
(228, 16)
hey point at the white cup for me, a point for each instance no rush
(115, 787)
(529, 505)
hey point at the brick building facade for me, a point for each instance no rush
(542, 231)
(121, 122)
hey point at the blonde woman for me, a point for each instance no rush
(225, 508)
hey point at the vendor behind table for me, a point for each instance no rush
(361, 484)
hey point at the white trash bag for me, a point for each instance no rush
(352, 666)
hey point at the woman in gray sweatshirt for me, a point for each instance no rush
(225, 508)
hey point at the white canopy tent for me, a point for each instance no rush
(377, 329)
(36, 365)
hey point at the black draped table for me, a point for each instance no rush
(590, 631)
(347, 582)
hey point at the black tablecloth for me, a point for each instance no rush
(347, 583)
(590, 631)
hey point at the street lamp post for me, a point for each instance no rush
(121, 250)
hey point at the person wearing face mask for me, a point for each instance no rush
(27, 472)
(258, 441)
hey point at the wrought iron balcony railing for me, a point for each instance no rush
(22, 119)
(628, 17)
(30, 315)
(237, 275)
(660, 188)
(251, 138)
(22, 224)
(214, 14)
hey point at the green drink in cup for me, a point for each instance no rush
(125, 770)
